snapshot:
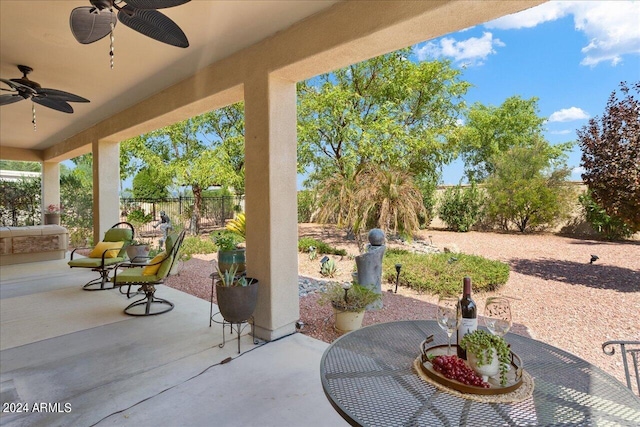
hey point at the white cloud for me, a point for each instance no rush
(568, 115)
(561, 132)
(472, 51)
(611, 27)
(577, 171)
(532, 17)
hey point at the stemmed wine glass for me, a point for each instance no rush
(447, 317)
(497, 312)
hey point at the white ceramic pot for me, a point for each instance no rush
(348, 320)
(487, 370)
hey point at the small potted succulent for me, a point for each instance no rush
(487, 354)
(237, 295)
(349, 302)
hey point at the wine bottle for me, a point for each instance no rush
(468, 314)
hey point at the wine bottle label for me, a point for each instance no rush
(467, 326)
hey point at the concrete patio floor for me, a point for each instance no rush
(92, 365)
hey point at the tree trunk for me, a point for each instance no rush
(197, 204)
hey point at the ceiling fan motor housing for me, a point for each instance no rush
(101, 4)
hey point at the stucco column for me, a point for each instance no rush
(271, 202)
(50, 185)
(106, 179)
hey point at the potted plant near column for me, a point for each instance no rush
(349, 302)
(237, 295)
(52, 214)
(138, 249)
(230, 254)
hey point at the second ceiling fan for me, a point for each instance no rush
(92, 23)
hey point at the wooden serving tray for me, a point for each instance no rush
(514, 375)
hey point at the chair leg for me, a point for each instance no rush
(149, 301)
(100, 282)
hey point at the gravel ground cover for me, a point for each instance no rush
(557, 295)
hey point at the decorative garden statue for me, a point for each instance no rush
(370, 264)
(165, 226)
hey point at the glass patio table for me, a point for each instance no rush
(368, 377)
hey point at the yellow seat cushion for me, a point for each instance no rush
(151, 270)
(112, 249)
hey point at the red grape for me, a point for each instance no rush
(455, 368)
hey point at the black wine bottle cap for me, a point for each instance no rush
(466, 286)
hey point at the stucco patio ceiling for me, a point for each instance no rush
(153, 83)
(36, 33)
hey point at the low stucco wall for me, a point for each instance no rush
(32, 243)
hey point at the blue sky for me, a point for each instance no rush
(569, 54)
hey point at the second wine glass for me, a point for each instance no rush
(497, 312)
(447, 317)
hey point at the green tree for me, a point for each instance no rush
(490, 131)
(76, 196)
(388, 111)
(147, 184)
(611, 157)
(197, 153)
(14, 165)
(20, 202)
(527, 188)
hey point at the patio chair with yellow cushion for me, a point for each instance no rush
(147, 277)
(105, 255)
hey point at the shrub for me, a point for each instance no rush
(442, 273)
(612, 228)
(138, 217)
(527, 189)
(80, 237)
(461, 207)
(195, 245)
(226, 240)
(321, 248)
(328, 268)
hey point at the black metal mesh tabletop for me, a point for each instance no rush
(369, 379)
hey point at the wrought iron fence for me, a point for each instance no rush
(144, 214)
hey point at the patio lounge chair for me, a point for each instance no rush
(105, 255)
(147, 277)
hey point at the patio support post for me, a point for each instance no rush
(50, 186)
(271, 202)
(106, 179)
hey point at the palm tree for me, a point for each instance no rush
(374, 197)
(389, 199)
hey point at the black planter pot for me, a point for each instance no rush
(237, 303)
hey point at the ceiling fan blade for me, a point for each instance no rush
(56, 104)
(153, 24)
(89, 25)
(155, 4)
(10, 99)
(61, 95)
(18, 86)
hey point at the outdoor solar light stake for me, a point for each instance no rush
(398, 267)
